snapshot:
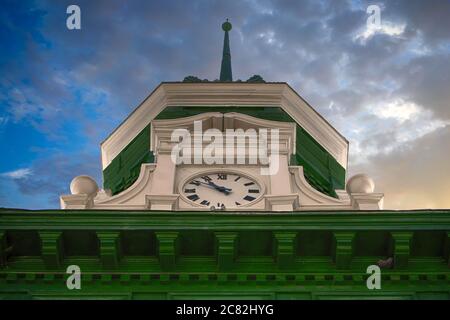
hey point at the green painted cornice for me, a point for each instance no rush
(161, 255)
(159, 220)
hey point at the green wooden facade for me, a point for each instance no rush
(321, 170)
(123, 171)
(207, 255)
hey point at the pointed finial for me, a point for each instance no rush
(225, 70)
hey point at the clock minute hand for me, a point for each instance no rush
(215, 186)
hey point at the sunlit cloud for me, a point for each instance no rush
(399, 110)
(386, 27)
(394, 125)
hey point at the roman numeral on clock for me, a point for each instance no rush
(193, 197)
(249, 198)
(205, 202)
(190, 190)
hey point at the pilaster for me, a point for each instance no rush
(344, 248)
(161, 195)
(167, 249)
(402, 248)
(285, 249)
(281, 197)
(226, 249)
(447, 247)
(2, 248)
(51, 247)
(109, 248)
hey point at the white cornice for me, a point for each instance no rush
(226, 94)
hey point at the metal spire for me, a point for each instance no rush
(225, 70)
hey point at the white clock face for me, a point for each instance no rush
(222, 188)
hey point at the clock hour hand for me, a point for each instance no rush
(220, 188)
(213, 185)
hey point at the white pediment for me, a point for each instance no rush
(226, 94)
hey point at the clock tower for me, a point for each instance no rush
(224, 189)
(200, 145)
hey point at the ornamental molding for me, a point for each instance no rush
(226, 95)
(364, 201)
(133, 197)
(281, 203)
(161, 132)
(161, 201)
(391, 220)
(141, 196)
(310, 198)
(76, 201)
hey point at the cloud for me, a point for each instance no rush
(425, 81)
(384, 126)
(3, 121)
(421, 17)
(387, 28)
(17, 174)
(54, 179)
(399, 110)
(415, 175)
(47, 179)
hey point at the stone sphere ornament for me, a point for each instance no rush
(360, 183)
(84, 185)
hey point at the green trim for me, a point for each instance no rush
(392, 220)
(267, 113)
(123, 171)
(307, 255)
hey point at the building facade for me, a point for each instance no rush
(225, 189)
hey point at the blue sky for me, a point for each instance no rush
(63, 91)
